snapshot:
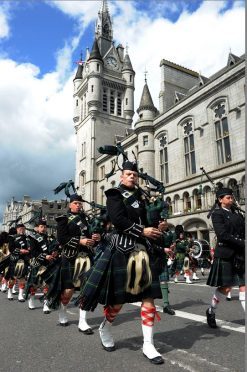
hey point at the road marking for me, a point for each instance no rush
(199, 318)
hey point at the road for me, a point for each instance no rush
(34, 342)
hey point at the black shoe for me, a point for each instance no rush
(108, 348)
(64, 324)
(168, 310)
(211, 319)
(228, 299)
(156, 360)
(21, 300)
(88, 331)
(46, 312)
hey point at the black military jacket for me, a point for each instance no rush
(126, 210)
(229, 229)
(17, 242)
(71, 227)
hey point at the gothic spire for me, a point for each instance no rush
(104, 25)
(146, 100)
(79, 69)
(95, 53)
(127, 63)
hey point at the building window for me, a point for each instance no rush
(82, 181)
(83, 149)
(119, 104)
(77, 103)
(126, 101)
(187, 202)
(197, 200)
(102, 196)
(97, 67)
(51, 205)
(176, 203)
(145, 140)
(222, 134)
(105, 100)
(84, 106)
(92, 88)
(102, 172)
(189, 149)
(131, 78)
(59, 206)
(112, 102)
(136, 151)
(164, 165)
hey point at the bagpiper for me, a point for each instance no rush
(19, 247)
(128, 270)
(43, 252)
(76, 257)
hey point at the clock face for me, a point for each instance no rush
(111, 61)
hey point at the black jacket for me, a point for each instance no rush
(229, 229)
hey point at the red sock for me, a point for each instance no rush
(148, 314)
(111, 313)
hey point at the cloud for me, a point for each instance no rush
(200, 40)
(4, 17)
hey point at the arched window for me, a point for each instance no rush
(176, 204)
(168, 200)
(163, 148)
(187, 202)
(102, 196)
(232, 184)
(197, 199)
(207, 197)
(189, 148)
(222, 137)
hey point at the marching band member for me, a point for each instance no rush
(43, 252)
(228, 268)
(19, 247)
(76, 257)
(129, 267)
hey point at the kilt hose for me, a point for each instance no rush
(223, 274)
(106, 282)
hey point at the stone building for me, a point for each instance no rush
(199, 124)
(28, 211)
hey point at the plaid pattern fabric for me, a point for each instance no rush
(164, 276)
(222, 274)
(106, 281)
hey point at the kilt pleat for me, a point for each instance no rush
(106, 282)
(222, 274)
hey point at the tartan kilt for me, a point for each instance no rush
(114, 291)
(179, 262)
(164, 276)
(10, 273)
(222, 274)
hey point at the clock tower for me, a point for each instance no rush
(103, 102)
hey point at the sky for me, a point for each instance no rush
(40, 42)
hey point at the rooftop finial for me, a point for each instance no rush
(145, 74)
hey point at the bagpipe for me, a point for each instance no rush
(217, 186)
(156, 207)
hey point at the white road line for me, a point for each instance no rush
(199, 318)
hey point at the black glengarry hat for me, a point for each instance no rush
(41, 222)
(129, 165)
(20, 225)
(223, 191)
(75, 197)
